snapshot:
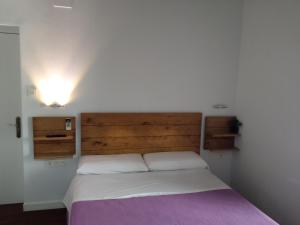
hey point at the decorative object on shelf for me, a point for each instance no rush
(220, 132)
(54, 137)
(235, 126)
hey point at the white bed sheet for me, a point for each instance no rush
(127, 185)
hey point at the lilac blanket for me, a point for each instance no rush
(221, 207)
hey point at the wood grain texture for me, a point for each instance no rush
(117, 133)
(46, 147)
(217, 133)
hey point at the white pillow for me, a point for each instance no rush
(174, 161)
(104, 164)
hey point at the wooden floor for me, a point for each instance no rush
(13, 215)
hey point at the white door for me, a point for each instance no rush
(11, 156)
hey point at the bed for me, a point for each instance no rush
(171, 197)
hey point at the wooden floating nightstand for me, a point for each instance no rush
(219, 133)
(226, 135)
(54, 137)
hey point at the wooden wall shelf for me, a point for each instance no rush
(52, 139)
(225, 135)
(218, 135)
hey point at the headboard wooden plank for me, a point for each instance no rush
(117, 133)
(139, 130)
(140, 118)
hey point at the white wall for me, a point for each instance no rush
(267, 170)
(126, 56)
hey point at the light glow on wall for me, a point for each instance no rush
(55, 91)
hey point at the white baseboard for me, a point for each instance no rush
(35, 206)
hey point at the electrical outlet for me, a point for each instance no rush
(56, 163)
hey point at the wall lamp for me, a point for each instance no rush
(55, 91)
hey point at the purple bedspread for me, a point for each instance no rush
(221, 207)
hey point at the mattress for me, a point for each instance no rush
(184, 197)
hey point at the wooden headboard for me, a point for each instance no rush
(117, 133)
